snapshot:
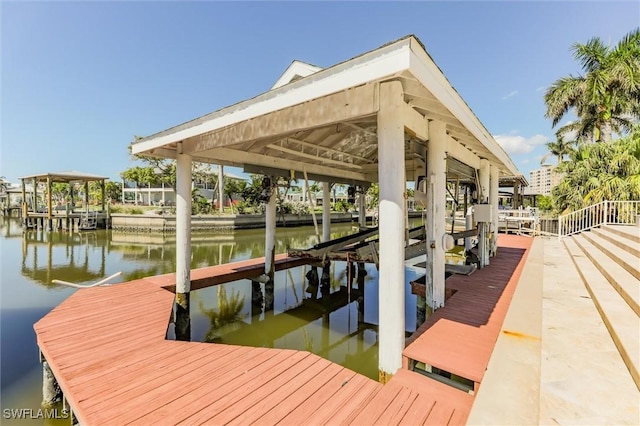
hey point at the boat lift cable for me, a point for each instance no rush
(99, 283)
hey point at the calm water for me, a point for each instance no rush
(339, 325)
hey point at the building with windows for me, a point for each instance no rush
(542, 180)
(162, 194)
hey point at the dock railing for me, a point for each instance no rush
(602, 213)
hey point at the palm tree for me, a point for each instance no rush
(598, 172)
(607, 97)
(559, 148)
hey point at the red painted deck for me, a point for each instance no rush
(460, 337)
(107, 348)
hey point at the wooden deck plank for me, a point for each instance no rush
(111, 357)
(393, 415)
(271, 392)
(202, 395)
(137, 398)
(345, 414)
(317, 400)
(111, 338)
(109, 321)
(233, 391)
(154, 376)
(184, 385)
(440, 414)
(130, 361)
(381, 402)
(79, 309)
(139, 363)
(460, 337)
(419, 410)
(291, 395)
(359, 385)
(401, 401)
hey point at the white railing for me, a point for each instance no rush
(603, 213)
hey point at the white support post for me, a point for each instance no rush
(392, 187)
(221, 187)
(270, 234)
(484, 178)
(436, 218)
(362, 209)
(494, 201)
(326, 212)
(183, 245)
(183, 224)
(483, 198)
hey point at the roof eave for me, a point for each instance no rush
(379, 63)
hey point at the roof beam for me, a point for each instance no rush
(242, 158)
(456, 150)
(362, 129)
(415, 122)
(314, 157)
(348, 104)
(324, 148)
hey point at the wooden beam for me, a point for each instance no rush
(346, 105)
(415, 122)
(314, 157)
(359, 128)
(326, 149)
(456, 150)
(241, 158)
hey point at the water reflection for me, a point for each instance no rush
(344, 330)
(330, 322)
(62, 255)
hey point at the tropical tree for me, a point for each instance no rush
(373, 194)
(234, 186)
(606, 98)
(598, 172)
(4, 184)
(560, 147)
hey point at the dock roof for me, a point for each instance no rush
(325, 122)
(65, 176)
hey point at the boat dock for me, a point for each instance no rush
(108, 350)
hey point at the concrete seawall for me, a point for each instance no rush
(167, 223)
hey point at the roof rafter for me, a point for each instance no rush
(324, 148)
(313, 157)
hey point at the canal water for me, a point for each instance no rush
(334, 321)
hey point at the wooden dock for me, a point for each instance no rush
(108, 350)
(460, 337)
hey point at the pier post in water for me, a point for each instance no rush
(362, 208)
(183, 244)
(391, 170)
(270, 244)
(326, 212)
(51, 392)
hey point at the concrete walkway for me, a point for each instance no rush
(583, 379)
(555, 361)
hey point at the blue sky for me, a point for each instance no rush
(80, 79)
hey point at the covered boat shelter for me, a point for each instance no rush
(387, 116)
(31, 210)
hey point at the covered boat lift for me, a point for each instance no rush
(387, 116)
(34, 215)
